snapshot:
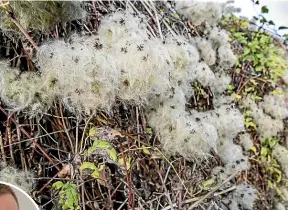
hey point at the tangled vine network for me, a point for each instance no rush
(143, 105)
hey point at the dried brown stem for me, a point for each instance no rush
(32, 139)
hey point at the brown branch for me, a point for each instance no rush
(32, 139)
(11, 15)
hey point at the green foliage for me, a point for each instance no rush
(103, 145)
(274, 186)
(261, 61)
(68, 195)
(249, 123)
(112, 153)
(230, 88)
(58, 185)
(264, 9)
(272, 167)
(258, 54)
(95, 170)
(92, 132)
(207, 184)
(145, 150)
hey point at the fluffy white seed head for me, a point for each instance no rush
(123, 62)
(204, 74)
(206, 49)
(226, 56)
(218, 37)
(281, 154)
(275, 105)
(267, 127)
(246, 141)
(199, 12)
(19, 178)
(245, 196)
(117, 26)
(84, 75)
(180, 133)
(221, 83)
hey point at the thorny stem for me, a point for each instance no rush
(32, 139)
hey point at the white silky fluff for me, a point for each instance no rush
(20, 178)
(198, 12)
(123, 62)
(267, 127)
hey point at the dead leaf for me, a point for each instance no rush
(102, 178)
(66, 171)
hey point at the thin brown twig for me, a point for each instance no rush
(22, 157)
(11, 15)
(65, 128)
(180, 186)
(10, 140)
(32, 139)
(128, 178)
(2, 149)
(212, 191)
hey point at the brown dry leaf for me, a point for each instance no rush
(104, 177)
(106, 133)
(65, 171)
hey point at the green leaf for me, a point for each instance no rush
(248, 113)
(175, 15)
(249, 89)
(246, 51)
(271, 23)
(271, 185)
(282, 27)
(259, 68)
(69, 197)
(253, 81)
(149, 131)
(103, 145)
(87, 165)
(264, 151)
(263, 20)
(128, 162)
(145, 150)
(256, 98)
(277, 92)
(279, 174)
(264, 9)
(96, 172)
(207, 183)
(58, 185)
(92, 132)
(236, 96)
(251, 124)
